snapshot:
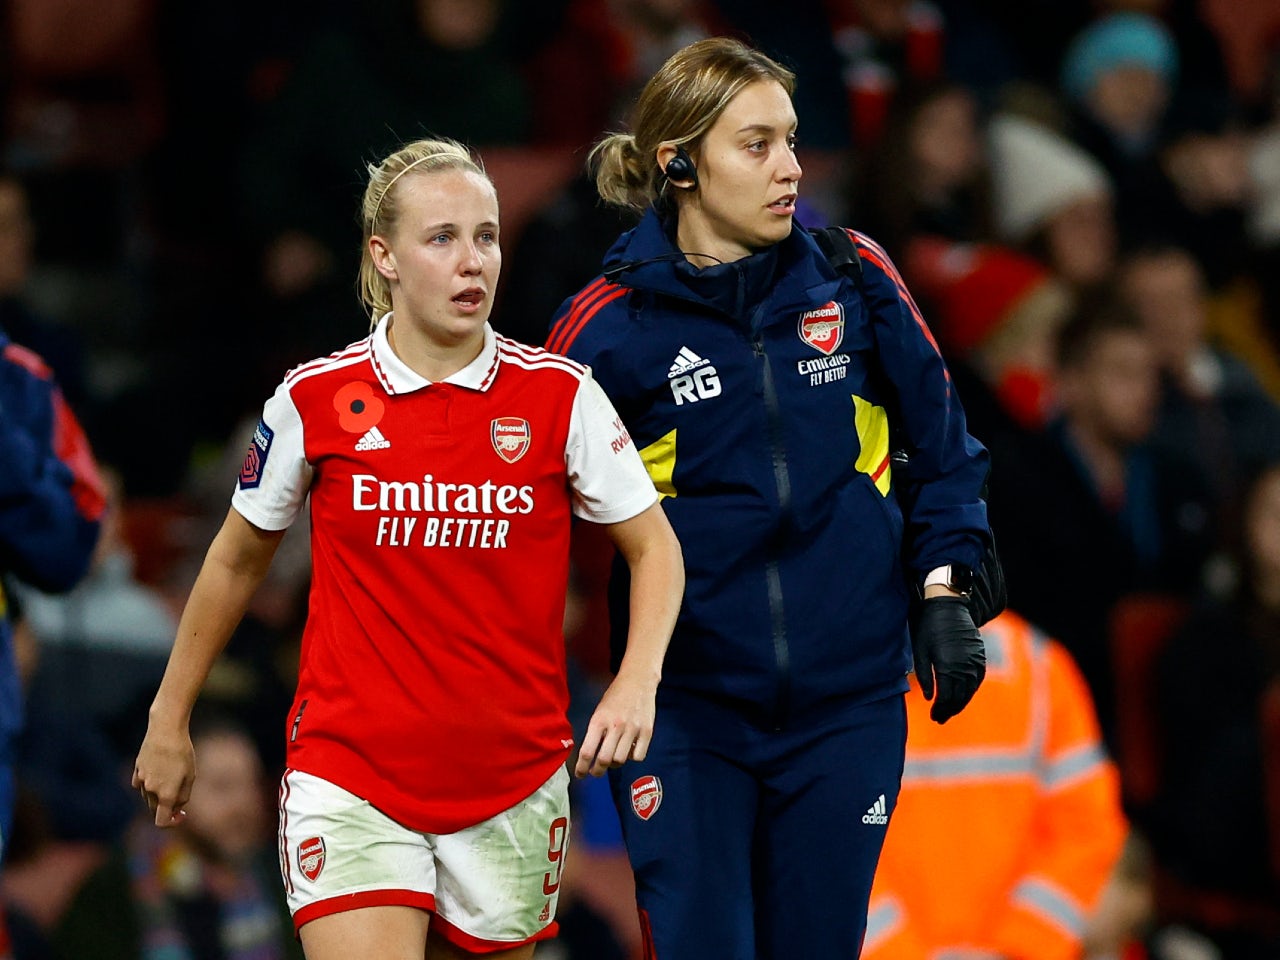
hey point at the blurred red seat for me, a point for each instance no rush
(1140, 626)
(1270, 721)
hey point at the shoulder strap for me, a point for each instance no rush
(990, 593)
(840, 251)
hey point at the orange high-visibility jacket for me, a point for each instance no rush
(1009, 821)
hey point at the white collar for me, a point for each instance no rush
(397, 377)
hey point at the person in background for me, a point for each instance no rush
(208, 890)
(1053, 201)
(761, 385)
(1180, 175)
(425, 803)
(1220, 872)
(998, 313)
(1024, 770)
(1212, 406)
(103, 645)
(51, 503)
(1125, 516)
(929, 175)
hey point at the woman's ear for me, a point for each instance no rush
(666, 152)
(384, 261)
(677, 165)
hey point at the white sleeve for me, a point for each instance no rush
(276, 476)
(609, 481)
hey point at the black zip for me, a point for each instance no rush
(773, 575)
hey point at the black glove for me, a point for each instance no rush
(990, 595)
(948, 645)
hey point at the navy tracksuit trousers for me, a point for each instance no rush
(759, 844)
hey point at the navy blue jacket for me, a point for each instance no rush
(51, 500)
(761, 395)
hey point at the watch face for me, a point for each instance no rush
(961, 578)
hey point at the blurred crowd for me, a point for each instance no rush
(1083, 196)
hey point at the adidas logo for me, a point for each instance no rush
(373, 440)
(685, 361)
(877, 813)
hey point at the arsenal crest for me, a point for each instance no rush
(510, 437)
(823, 329)
(646, 796)
(311, 857)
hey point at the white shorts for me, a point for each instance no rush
(491, 886)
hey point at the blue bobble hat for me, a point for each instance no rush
(1118, 40)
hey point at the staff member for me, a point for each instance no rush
(762, 386)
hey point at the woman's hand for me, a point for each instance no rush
(164, 772)
(620, 728)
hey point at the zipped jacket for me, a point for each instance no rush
(51, 500)
(766, 396)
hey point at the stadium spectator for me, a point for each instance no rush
(103, 644)
(930, 172)
(1219, 874)
(998, 312)
(1212, 410)
(51, 503)
(1053, 201)
(209, 889)
(1124, 517)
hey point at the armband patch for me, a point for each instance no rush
(255, 460)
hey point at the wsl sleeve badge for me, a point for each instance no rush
(646, 796)
(255, 460)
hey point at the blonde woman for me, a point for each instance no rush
(425, 802)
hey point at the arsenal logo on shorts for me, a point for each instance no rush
(510, 437)
(311, 857)
(823, 329)
(646, 796)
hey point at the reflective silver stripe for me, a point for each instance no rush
(1072, 766)
(995, 641)
(1041, 695)
(969, 765)
(882, 920)
(1050, 903)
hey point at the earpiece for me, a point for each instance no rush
(680, 167)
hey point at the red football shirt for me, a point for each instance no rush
(432, 679)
